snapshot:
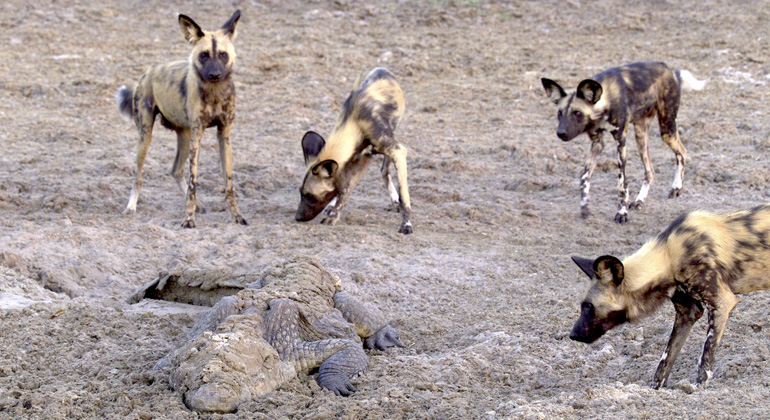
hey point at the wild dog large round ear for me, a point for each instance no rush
(553, 90)
(589, 90)
(585, 264)
(191, 31)
(325, 169)
(312, 143)
(229, 27)
(609, 269)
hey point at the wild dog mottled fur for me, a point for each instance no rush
(189, 96)
(366, 126)
(702, 260)
(612, 101)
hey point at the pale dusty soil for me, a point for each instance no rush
(483, 293)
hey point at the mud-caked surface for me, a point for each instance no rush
(483, 293)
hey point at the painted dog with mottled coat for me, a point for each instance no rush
(366, 126)
(189, 96)
(700, 262)
(612, 101)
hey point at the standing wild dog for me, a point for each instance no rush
(190, 96)
(334, 167)
(700, 260)
(613, 100)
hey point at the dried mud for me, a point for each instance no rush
(483, 293)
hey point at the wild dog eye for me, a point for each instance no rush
(310, 198)
(559, 114)
(587, 306)
(578, 114)
(223, 56)
(204, 56)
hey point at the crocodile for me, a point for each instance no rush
(263, 330)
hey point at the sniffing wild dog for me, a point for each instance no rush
(701, 261)
(190, 96)
(612, 101)
(365, 127)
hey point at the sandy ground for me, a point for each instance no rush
(483, 293)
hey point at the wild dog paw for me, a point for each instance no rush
(636, 205)
(584, 212)
(129, 210)
(240, 220)
(675, 192)
(330, 220)
(330, 211)
(621, 217)
(406, 228)
(188, 224)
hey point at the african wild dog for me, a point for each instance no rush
(190, 96)
(700, 260)
(611, 101)
(365, 127)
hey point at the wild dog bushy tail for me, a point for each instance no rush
(125, 100)
(688, 82)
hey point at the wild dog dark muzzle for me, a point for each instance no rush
(569, 128)
(588, 328)
(212, 69)
(309, 207)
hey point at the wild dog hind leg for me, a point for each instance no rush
(622, 215)
(597, 145)
(718, 313)
(225, 156)
(688, 311)
(641, 132)
(392, 191)
(670, 136)
(397, 152)
(144, 119)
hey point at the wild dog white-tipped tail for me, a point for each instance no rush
(689, 82)
(124, 99)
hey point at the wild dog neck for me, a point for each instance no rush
(344, 142)
(648, 280)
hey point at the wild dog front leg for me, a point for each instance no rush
(354, 170)
(597, 145)
(719, 312)
(197, 133)
(177, 169)
(641, 132)
(688, 311)
(225, 156)
(622, 215)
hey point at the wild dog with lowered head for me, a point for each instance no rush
(700, 260)
(190, 96)
(369, 117)
(612, 101)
